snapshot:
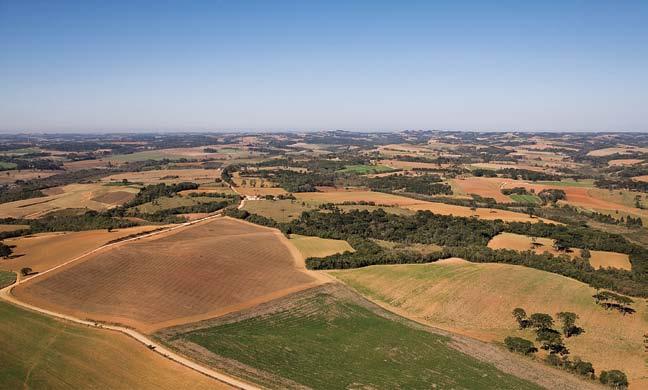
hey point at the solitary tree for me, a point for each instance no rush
(5, 250)
(614, 378)
(25, 271)
(583, 368)
(521, 317)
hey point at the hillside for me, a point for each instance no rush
(477, 300)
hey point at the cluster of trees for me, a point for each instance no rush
(30, 162)
(515, 191)
(525, 174)
(467, 238)
(423, 184)
(612, 301)
(551, 340)
(616, 184)
(551, 195)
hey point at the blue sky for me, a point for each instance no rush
(268, 65)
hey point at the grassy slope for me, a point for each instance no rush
(7, 278)
(330, 342)
(40, 352)
(477, 299)
(319, 247)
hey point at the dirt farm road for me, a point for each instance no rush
(5, 294)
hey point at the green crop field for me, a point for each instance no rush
(7, 278)
(327, 341)
(37, 352)
(366, 169)
(525, 198)
(7, 165)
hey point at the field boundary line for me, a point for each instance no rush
(5, 294)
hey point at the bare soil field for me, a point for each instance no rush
(319, 247)
(199, 176)
(185, 275)
(43, 251)
(8, 177)
(85, 164)
(477, 300)
(414, 204)
(518, 242)
(71, 196)
(482, 187)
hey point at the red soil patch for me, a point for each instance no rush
(482, 187)
(186, 275)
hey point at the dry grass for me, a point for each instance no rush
(186, 275)
(8, 177)
(618, 149)
(414, 204)
(319, 247)
(92, 196)
(496, 166)
(200, 176)
(624, 161)
(43, 251)
(398, 164)
(521, 243)
(280, 210)
(477, 299)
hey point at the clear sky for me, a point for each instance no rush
(268, 65)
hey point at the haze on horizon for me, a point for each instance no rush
(353, 65)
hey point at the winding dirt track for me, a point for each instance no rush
(5, 294)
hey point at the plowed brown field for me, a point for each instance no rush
(43, 251)
(186, 275)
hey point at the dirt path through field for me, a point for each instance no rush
(5, 294)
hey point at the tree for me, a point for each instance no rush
(25, 271)
(568, 320)
(521, 317)
(551, 341)
(614, 378)
(585, 254)
(520, 345)
(5, 250)
(541, 321)
(583, 368)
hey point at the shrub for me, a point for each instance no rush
(614, 378)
